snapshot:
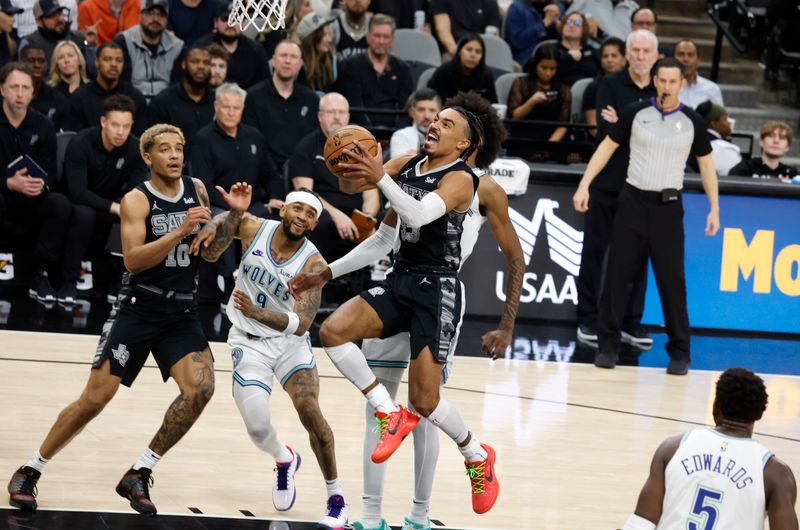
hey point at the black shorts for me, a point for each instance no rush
(429, 307)
(148, 323)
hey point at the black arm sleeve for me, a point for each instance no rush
(620, 132)
(605, 97)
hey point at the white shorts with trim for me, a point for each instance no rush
(395, 351)
(257, 360)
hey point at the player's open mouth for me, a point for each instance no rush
(174, 167)
(431, 138)
(299, 226)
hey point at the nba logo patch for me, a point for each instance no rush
(236, 356)
(376, 291)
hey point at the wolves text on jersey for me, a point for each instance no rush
(271, 284)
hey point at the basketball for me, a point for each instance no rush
(343, 139)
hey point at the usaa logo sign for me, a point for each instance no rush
(760, 261)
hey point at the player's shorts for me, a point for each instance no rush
(256, 360)
(395, 351)
(147, 322)
(429, 307)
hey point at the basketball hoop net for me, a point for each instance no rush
(259, 13)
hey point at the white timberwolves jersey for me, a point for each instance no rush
(472, 224)
(715, 482)
(264, 281)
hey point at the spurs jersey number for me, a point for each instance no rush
(178, 256)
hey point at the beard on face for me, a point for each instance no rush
(228, 39)
(193, 82)
(287, 231)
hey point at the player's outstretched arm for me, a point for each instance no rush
(139, 256)
(651, 498)
(780, 489)
(217, 235)
(391, 168)
(365, 253)
(307, 304)
(494, 201)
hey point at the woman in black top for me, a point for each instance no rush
(67, 68)
(541, 96)
(577, 59)
(467, 71)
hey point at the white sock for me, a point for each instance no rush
(473, 452)
(37, 462)
(350, 362)
(284, 455)
(419, 511)
(447, 418)
(371, 510)
(380, 400)
(426, 453)
(333, 487)
(149, 459)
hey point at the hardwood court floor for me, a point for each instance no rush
(573, 442)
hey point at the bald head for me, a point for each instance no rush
(334, 112)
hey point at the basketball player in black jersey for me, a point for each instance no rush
(156, 312)
(421, 295)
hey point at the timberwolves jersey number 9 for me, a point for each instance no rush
(435, 247)
(715, 482)
(178, 271)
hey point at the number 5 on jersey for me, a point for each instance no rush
(705, 510)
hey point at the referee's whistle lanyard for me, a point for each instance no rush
(659, 105)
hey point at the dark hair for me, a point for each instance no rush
(6, 70)
(118, 103)
(494, 132)
(613, 41)
(194, 47)
(741, 395)
(109, 45)
(655, 15)
(32, 46)
(309, 190)
(543, 53)
(469, 37)
(218, 52)
(423, 94)
(669, 62)
(690, 41)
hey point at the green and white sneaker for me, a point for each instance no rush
(410, 524)
(358, 525)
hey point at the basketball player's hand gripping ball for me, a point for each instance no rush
(362, 164)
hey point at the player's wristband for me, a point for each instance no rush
(294, 323)
(636, 522)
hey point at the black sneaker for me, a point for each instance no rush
(135, 486)
(67, 293)
(678, 367)
(41, 289)
(636, 336)
(587, 332)
(605, 360)
(22, 488)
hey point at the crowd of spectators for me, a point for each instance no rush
(258, 106)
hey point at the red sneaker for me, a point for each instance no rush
(394, 427)
(485, 486)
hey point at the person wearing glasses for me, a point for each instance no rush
(577, 60)
(646, 18)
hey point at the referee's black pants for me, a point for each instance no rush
(644, 226)
(596, 236)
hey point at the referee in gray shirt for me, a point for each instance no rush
(662, 133)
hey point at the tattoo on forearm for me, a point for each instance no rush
(275, 319)
(516, 272)
(308, 304)
(185, 410)
(202, 194)
(227, 227)
(304, 391)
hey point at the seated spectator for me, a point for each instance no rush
(296, 10)
(191, 19)
(316, 46)
(52, 27)
(29, 201)
(376, 79)
(219, 64)
(612, 60)
(336, 233)
(150, 51)
(612, 17)
(108, 17)
(189, 103)
(350, 28)
(409, 14)
(697, 88)
(227, 151)
(86, 103)
(776, 139)
(248, 62)
(453, 20)
(67, 68)
(281, 108)
(46, 100)
(9, 40)
(528, 22)
(423, 106)
(646, 18)
(466, 71)
(541, 95)
(577, 60)
(725, 153)
(101, 164)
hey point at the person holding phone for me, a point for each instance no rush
(541, 96)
